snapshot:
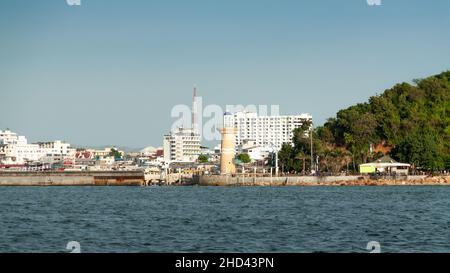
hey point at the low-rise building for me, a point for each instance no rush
(105, 152)
(255, 151)
(182, 145)
(385, 165)
(15, 150)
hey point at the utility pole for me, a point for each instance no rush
(317, 164)
(312, 158)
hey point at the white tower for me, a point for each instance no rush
(194, 111)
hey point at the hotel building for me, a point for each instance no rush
(268, 132)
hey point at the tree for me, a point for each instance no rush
(447, 162)
(244, 158)
(302, 157)
(302, 146)
(285, 157)
(334, 159)
(203, 159)
(115, 153)
(421, 149)
(295, 157)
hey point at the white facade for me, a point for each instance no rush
(15, 150)
(55, 147)
(182, 145)
(99, 154)
(8, 137)
(268, 132)
(255, 151)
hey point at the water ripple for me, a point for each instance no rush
(215, 219)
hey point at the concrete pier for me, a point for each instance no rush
(112, 178)
(227, 180)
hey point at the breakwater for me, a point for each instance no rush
(137, 178)
(219, 180)
(103, 178)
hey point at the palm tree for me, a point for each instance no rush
(302, 156)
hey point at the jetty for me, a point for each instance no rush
(344, 180)
(76, 178)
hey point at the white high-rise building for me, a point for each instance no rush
(15, 149)
(269, 132)
(182, 145)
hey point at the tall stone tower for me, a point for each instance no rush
(228, 151)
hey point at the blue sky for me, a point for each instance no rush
(110, 71)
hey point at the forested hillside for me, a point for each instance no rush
(410, 122)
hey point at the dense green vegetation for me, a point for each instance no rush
(115, 153)
(203, 159)
(410, 122)
(298, 156)
(244, 158)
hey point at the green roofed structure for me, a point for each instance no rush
(385, 165)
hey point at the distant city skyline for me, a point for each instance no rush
(109, 72)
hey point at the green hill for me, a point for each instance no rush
(410, 122)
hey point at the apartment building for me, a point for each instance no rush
(268, 132)
(182, 145)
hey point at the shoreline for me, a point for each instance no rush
(309, 181)
(137, 178)
(98, 178)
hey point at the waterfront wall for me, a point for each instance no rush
(117, 178)
(111, 178)
(222, 180)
